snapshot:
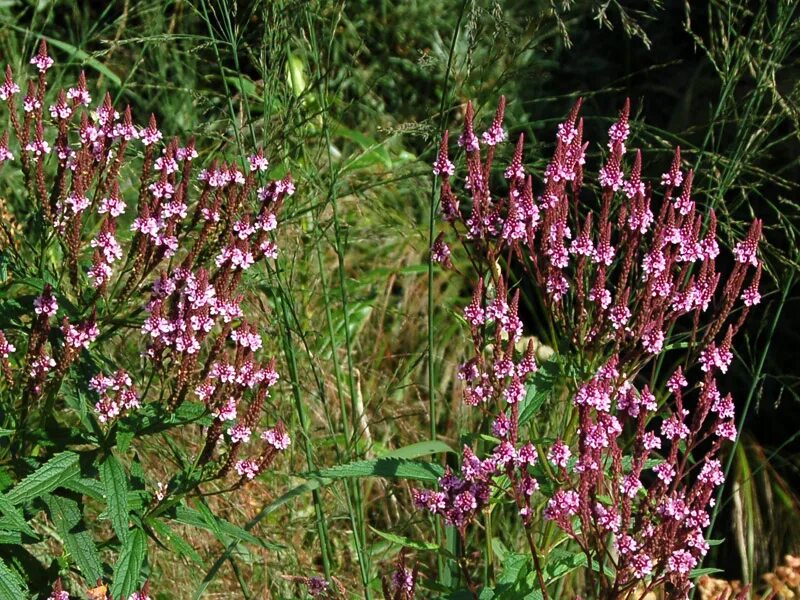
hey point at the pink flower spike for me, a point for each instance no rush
(42, 61)
(46, 303)
(239, 433)
(559, 454)
(745, 251)
(6, 347)
(277, 437)
(443, 166)
(619, 131)
(684, 203)
(5, 153)
(247, 468)
(515, 170)
(634, 186)
(468, 140)
(79, 94)
(258, 162)
(61, 111)
(751, 296)
(150, 134)
(9, 88)
(611, 173)
(496, 134)
(673, 177)
(440, 252)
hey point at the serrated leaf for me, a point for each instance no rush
(124, 439)
(513, 566)
(115, 483)
(11, 586)
(127, 571)
(499, 548)
(13, 519)
(10, 538)
(54, 473)
(397, 468)
(67, 518)
(6, 480)
(87, 487)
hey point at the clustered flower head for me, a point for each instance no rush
(615, 275)
(117, 395)
(620, 276)
(173, 246)
(320, 587)
(402, 585)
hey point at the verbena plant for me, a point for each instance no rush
(621, 484)
(125, 317)
(618, 487)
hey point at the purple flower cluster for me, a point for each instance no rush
(179, 258)
(657, 526)
(403, 583)
(632, 482)
(117, 395)
(616, 279)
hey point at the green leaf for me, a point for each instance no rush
(216, 525)
(188, 412)
(87, 487)
(397, 468)
(6, 480)
(13, 519)
(561, 562)
(124, 439)
(499, 548)
(372, 151)
(175, 541)
(127, 571)
(301, 489)
(406, 542)
(539, 390)
(10, 538)
(420, 449)
(67, 517)
(514, 566)
(54, 473)
(704, 571)
(115, 482)
(11, 586)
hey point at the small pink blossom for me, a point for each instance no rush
(239, 433)
(247, 468)
(277, 438)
